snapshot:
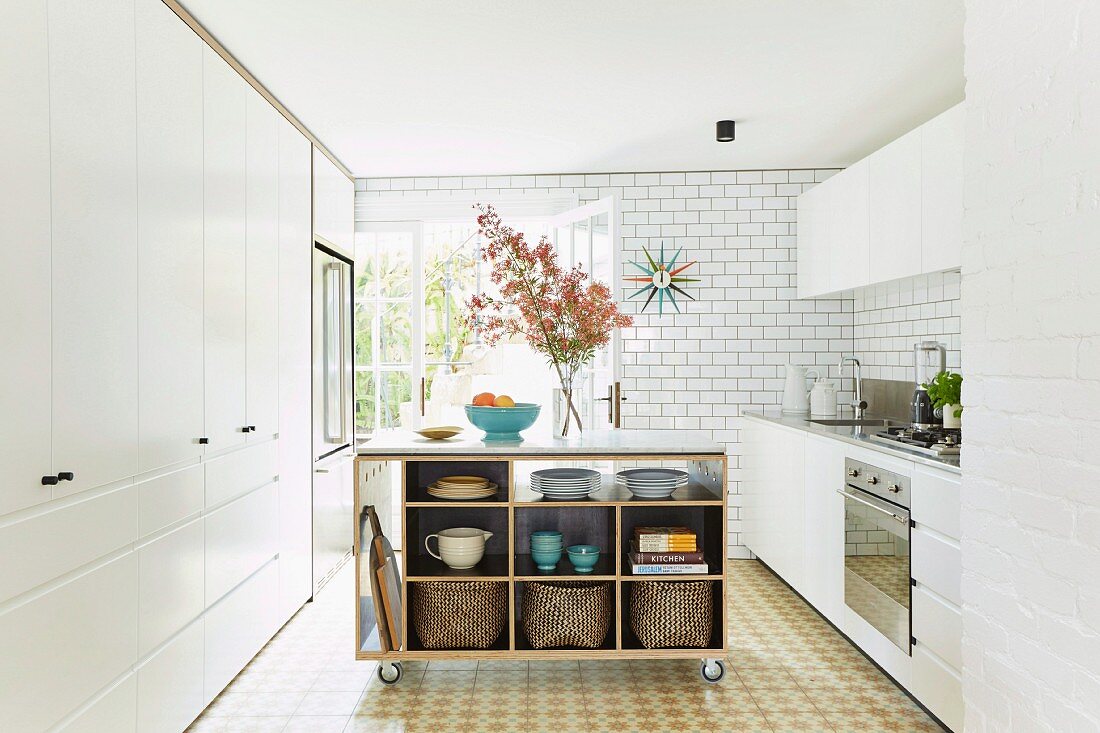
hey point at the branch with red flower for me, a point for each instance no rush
(560, 313)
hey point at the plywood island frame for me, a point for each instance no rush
(605, 519)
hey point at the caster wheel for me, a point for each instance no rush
(713, 672)
(393, 676)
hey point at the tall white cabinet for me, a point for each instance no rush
(155, 280)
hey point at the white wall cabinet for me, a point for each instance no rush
(896, 213)
(170, 237)
(93, 129)
(225, 233)
(25, 271)
(262, 266)
(333, 203)
(295, 459)
(155, 281)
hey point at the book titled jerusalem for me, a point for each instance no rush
(669, 569)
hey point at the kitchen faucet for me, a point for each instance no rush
(858, 403)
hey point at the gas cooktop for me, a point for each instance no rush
(935, 441)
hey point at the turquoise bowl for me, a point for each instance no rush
(583, 557)
(546, 560)
(503, 423)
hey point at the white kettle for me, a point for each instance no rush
(796, 397)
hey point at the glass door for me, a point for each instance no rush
(388, 326)
(588, 235)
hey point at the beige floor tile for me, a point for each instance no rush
(328, 703)
(453, 665)
(348, 680)
(502, 665)
(316, 724)
(805, 722)
(554, 664)
(447, 681)
(251, 704)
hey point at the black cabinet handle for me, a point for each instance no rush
(248, 429)
(204, 441)
(49, 480)
(65, 476)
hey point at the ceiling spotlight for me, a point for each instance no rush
(725, 131)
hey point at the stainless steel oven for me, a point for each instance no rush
(877, 582)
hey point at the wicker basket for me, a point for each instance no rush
(458, 614)
(573, 614)
(672, 614)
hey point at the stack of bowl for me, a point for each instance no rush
(546, 549)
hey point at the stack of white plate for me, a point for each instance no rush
(462, 488)
(652, 483)
(565, 483)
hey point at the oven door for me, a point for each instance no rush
(876, 563)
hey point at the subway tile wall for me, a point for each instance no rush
(891, 317)
(726, 352)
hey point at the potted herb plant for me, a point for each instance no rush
(945, 391)
(561, 313)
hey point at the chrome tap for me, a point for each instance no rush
(858, 403)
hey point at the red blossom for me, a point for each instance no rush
(560, 312)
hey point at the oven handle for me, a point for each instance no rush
(876, 507)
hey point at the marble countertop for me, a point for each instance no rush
(597, 442)
(855, 437)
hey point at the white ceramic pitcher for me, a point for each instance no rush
(460, 548)
(796, 396)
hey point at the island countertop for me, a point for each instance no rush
(589, 443)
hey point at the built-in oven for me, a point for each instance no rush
(877, 582)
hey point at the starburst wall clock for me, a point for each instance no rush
(661, 280)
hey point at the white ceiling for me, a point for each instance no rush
(449, 87)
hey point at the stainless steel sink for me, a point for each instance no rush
(854, 422)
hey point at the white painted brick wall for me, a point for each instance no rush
(697, 370)
(1031, 323)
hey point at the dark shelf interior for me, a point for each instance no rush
(418, 474)
(580, 525)
(705, 521)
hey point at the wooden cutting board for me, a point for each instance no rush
(375, 560)
(388, 605)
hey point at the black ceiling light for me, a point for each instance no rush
(725, 130)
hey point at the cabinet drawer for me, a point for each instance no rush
(169, 693)
(53, 543)
(938, 625)
(170, 584)
(936, 501)
(168, 499)
(240, 537)
(237, 628)
(240, 472)
(937, 563)
(69, 643)
(113, 712)
(938, 687)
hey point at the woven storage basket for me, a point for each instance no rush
(672, 614)
(458, 614)
(576, 614)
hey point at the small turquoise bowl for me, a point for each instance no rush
(546, 534)
(583, 557)
(546, 560)
(503, 423)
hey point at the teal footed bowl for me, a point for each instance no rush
(503, 423)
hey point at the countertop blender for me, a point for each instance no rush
(929, 359)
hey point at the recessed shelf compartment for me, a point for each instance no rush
(423, 521)
(415, 645)
(419, 474)
(580, 525)
(706, 521)
(522, 643)
(630, 639)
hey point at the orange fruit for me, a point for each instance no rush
(504, 401)
(485, 399)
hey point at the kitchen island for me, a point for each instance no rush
(401, 465)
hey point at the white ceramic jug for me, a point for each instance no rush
(796, 397)
(460, 548)
(823, 398)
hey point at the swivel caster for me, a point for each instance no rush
(712, 670)
(390, 672)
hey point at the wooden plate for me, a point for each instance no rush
(441, 432)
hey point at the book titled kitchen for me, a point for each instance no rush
(663, 558)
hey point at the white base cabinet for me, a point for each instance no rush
(794, 520)
(155, 281)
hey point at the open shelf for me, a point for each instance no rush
(522, 644)
(426, 567)
(419, 474)
(415, 645)
(717, 629)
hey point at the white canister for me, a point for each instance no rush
(823, 398)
